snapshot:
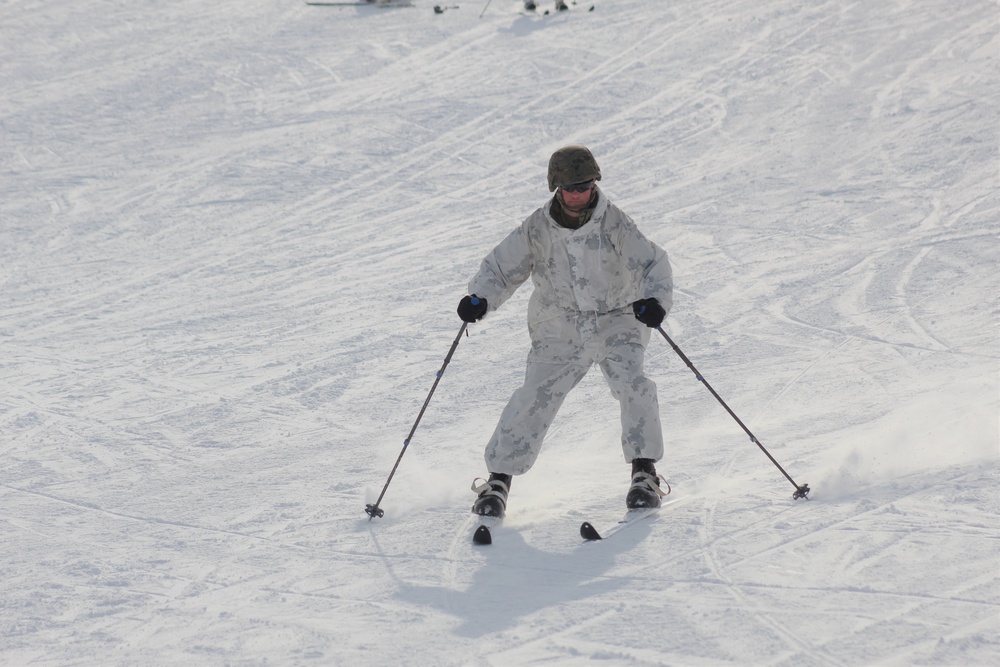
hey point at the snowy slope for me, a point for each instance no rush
(232, 238)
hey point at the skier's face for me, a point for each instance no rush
(575, 197)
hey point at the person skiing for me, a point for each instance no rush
(600, 286)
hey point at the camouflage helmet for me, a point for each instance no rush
(572, 164)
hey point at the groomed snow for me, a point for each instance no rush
(232, 238)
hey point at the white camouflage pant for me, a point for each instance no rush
(562, 351)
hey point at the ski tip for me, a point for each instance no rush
(588, 532)
(482, 536)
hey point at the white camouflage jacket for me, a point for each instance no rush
(602, 267)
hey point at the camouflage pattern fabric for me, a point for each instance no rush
(572, 164)
(579, 314)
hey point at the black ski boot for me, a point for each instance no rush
(529, 5)
(645, 492)
(561, 6)
(492, 500)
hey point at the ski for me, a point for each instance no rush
(483, 534)
(632, 517)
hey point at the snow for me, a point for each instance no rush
(232, 239)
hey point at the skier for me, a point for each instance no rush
(599, 288)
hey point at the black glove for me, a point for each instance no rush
(472, 308)
(649, 312)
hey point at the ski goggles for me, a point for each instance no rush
(577, 187)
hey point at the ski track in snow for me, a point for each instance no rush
(232, 238)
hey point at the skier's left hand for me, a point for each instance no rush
(649, 312)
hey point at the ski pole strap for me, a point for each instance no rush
(800, 491)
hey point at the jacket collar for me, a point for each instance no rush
(599, 206)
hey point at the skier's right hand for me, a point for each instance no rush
(472, 308)
(649, 312)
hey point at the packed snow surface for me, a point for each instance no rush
(232, 238)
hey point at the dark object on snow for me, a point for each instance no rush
(482, 536)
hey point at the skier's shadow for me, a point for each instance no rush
(512, 579)
(525, 25)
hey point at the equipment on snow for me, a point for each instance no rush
(572, 164)
(531, 5)
(372, 509)
(492, 500)
(632, 517)
(800, 491)
(483, 534)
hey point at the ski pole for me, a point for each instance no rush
(484, 8)
(372, 510)
(800, 491)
